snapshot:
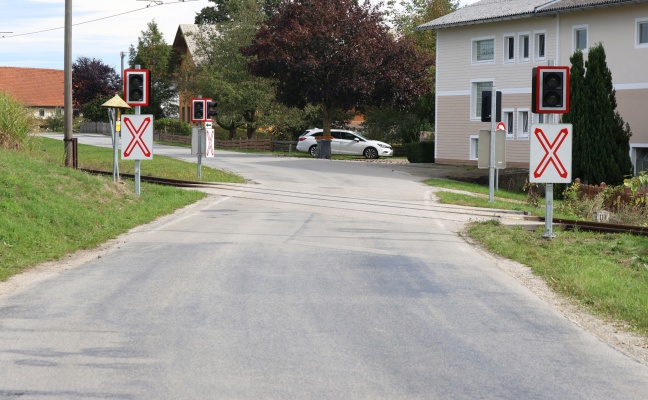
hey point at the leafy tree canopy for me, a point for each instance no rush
(338, 54)
(221, 72)
(227, 10)
(404, 125)
(92, 78)
(154, 54)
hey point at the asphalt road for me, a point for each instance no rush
(318, 279)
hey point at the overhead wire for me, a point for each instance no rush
(157, 3)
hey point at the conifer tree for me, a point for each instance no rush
(577, 116)
(601, 139)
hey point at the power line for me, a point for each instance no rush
(154, 3)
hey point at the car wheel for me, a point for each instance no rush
(313, 150)
(370, 152)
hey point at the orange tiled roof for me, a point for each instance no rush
(34, 87)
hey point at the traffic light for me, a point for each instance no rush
(137, 84)
(198, 110)
(550, 90)
(211, 108)
(487, 104)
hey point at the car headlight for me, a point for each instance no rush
(384, 146)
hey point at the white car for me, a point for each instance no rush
(344, 142)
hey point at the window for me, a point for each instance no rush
(642, 32)
(523, 124)
(539, 46)
(483, 50)
(41, 112)
(524, 47)
(477, 89)
(507, 118)
(474, 147)
(580, 38)
(509, 49)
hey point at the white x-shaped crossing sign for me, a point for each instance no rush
(551, 153)
(137, 138)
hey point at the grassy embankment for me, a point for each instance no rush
(605, 273)
(48, 211)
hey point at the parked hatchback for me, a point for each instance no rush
(344, 142)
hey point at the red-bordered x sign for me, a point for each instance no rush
(551, 153)
(209, 145)
(137, 138)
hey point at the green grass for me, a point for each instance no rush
(605, 273)
(48, 211)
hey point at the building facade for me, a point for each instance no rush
(498, 42)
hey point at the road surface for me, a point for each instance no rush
(318, 279)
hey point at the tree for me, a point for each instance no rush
(582, 163)
(154, 54)
(91, 78)
(338, 54)
(601, 138)
(226, 11)
(221, 72)
(404, 126)
(94, 111)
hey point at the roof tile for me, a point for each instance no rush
(34, 87)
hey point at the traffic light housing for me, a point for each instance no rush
(198, 112)
(211, 109)
(550, 90)
(137, 87)
(487, 104)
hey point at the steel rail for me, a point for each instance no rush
(602, 227)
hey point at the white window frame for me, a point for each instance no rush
(537, 47)
(474, 99)
(638, 23)
(474, 148)
(508, 57)
(474, 50)
(510, 128)
(537, 119)
(578, 28)
(521, 37)
(521, 134)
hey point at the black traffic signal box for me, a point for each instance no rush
(137, 87)
(550, 90)
(198, 113)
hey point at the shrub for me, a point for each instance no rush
(173, 126)
(15, 123)
(55, 123)
(420, 152)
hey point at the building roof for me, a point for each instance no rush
(187, 37)
(34, 87)
(500, 10)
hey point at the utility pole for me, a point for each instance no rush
(122, 54)
(67, 83)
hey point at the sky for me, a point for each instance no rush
(32, 34)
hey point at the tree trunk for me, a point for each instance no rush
(251, 130)
(324, 146)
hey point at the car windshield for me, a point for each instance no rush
(360, 136)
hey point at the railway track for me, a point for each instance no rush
(568, 224)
